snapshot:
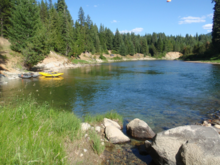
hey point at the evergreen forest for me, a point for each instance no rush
(34, 28)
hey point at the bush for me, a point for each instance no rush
(114, 52)
(102, 57)
(117, 58)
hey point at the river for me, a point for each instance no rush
(165, 94)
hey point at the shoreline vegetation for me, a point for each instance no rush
(39, 134)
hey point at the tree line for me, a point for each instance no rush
(34, 28)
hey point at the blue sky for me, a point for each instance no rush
(179, 17)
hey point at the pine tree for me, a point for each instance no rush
(27, 34)
(153, 50)
(216, 25)
(50, 4)
(43, 12)
(81, 16)
(160, 45)
(61, 6)
(117, 40)
(109, 39)
(36, 50)
(25, 21)
(122, 49)
(131, 50)
(5, 13)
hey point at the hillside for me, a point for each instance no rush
(9, 60)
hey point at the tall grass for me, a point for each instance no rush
(113, 115)
(34, 134)
(96, 142)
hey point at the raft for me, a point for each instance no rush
(24, 76)
(51, 74)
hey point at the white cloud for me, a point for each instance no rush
(210, 16)
(114, 21)
(207, 27)
(190, 19)
(136, 30)
(95, 5)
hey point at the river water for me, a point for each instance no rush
(165, 94)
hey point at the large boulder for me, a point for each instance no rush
(139, 129)
(186, 145)
(115, 135)
(108, 122)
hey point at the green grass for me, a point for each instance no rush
(113, 115)
(102, 57)
(214, 61)
(75, 61)
(34, 134)
(3, 57)
(117, 58)
(96, 142)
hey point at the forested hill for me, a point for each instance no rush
(35, 28)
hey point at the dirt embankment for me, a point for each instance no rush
(173, 55)
(113, 57)
(9, 60)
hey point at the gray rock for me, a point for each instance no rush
(215, 121)
(205, 123)
(115, 135)
(189, 145)
(85, 126)
(147, 144)
(139, 129)
(108, 122)
(217, 126)
(98, 129)
(194, 154)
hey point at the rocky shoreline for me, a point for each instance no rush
(190, 144)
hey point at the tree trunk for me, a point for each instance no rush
(2, 26)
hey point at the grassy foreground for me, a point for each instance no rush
(35, 134)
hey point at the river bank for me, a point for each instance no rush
(36, 133)
(205, 62)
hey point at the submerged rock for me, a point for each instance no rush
(115, 135)
(190, 145)
(139, 129)
(215, 121)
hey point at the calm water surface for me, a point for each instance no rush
(165, 94)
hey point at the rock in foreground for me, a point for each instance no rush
(85, 126)
(108, 122)
(186, 145)
(115, 135)
(139, 129)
